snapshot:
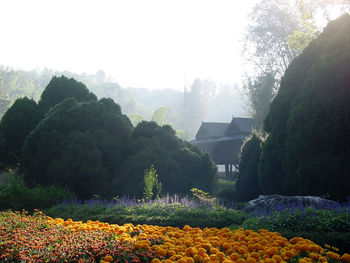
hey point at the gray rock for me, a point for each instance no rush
(274, 202)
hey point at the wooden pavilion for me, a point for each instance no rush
(223, 141)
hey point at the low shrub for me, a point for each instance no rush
(226, 191)
(14, 194)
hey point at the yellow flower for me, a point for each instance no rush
(108, 258)
(187, 228)
(213, 250)
(189, 260)
(235, 256)
(333, 255)
(251, 260)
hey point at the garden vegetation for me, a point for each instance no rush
(43, 239)
(72, 140)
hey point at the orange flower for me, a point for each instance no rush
(270, 260)
(333, 255)
(213, 250)
(220, 255)
(272, 251)
(315, 248)
(187, 228)
(251, 260)
(201, 251)
(277, 258)
(346, 257)
(314, 255)
(235, 256)
(241, 250)
(108, 258)
(290, 254)
(255, 255)
(226, 246)
(198, 258)
(215, 243)
(322, 259)
(191, 251)
(214, 257)
(189, 260)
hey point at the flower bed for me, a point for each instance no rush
(38, 238)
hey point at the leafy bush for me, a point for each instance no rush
(226, 191)
(321, 226)
(152, 184)
(14, 194)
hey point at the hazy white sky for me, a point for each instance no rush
(151, 44)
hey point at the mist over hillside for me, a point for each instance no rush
(204, 99)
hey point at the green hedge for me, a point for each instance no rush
(176, 215)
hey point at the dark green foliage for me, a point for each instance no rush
(247, 185)
(176, 214)
(78, 145)
(321, 226)
(60, 88)
(270, 166)
(14, 194)
(226, 191)
(16, 124)
(25, 114)
(308, 148)
(180, 166)
(75, 141)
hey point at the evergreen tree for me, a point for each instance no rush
(180, 165)
(60, 88)
(16, 124)
(307, 150)
(80, 145)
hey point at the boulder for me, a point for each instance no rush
(270, 203)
